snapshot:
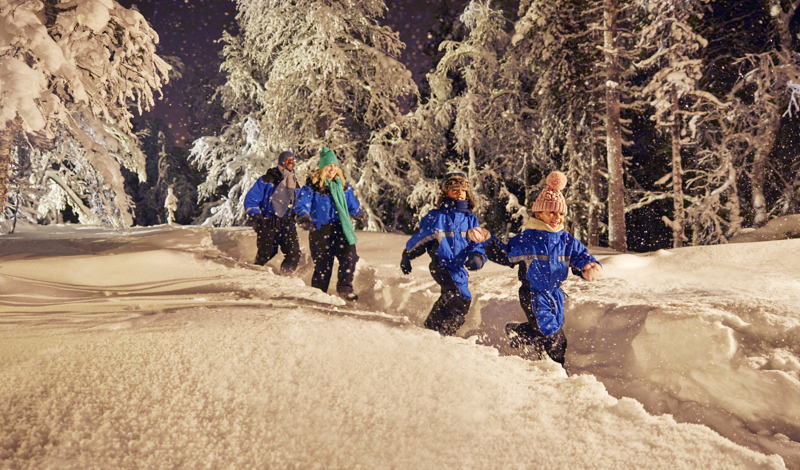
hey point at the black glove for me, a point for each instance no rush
(405, 265)
(474, 261)
(304, 221)
(257, 220)
(361, 218)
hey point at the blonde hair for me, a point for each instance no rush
(318, 176)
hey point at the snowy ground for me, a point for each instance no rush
(163, 347)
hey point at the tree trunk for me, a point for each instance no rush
(594, 195)
(7, 137)
(679, 218)
(6, 147)
(759, 171)
(616, 186)
(734, 207)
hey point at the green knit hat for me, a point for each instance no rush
(327, 157)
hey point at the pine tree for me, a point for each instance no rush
(612, 45)
(766, 85)
(557, 42)
(75, 69)
(313, 73)
(670, 37)
(477, 98)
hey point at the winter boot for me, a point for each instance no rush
(349, 296)
(515, 335)
(519, 335)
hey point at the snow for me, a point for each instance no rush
(163, 347)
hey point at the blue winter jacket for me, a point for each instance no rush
(258, 199)
(316, 201)
(544, 258)
(443, 234)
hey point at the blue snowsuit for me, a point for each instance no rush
(258, 199)
(272, 231)
(327, 239)
(316, 201)
(543, 259)
(443, 235)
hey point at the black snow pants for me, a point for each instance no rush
(450, 309)
(326, 243)
(276, 233)
(529, 333)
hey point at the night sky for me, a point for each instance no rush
(191, 30)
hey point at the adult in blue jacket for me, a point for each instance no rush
(270, 207)
(324, 206)
(544, 254)
(443, 235)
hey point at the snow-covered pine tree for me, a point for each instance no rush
(489, 117)
(767, 83)
(615, 48)
(232, 163)
(310, 73)
(714, 214)
(557, 42)
(53, 174)
(669, 36)
(75, 69)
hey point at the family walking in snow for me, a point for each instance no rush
(451, 235)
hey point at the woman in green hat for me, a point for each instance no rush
(324, 207)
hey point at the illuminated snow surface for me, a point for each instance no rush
(163, 347)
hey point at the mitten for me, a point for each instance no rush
(474, 261)
(479, 234)
(405, 265)
(304, 221)
(592, 272)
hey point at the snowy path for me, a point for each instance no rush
(153, 349)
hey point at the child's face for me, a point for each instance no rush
(330, 171)
(457, 194)
(553, 219)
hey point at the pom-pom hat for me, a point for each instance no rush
(551, 199)
(327, 157)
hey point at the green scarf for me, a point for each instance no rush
(337, 192)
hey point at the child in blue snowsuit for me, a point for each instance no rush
(443, 235)
(324, 207)
(270, 207)
(544, 253)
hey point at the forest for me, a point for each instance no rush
(675, 121)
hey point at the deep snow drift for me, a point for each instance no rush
(163, 347)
